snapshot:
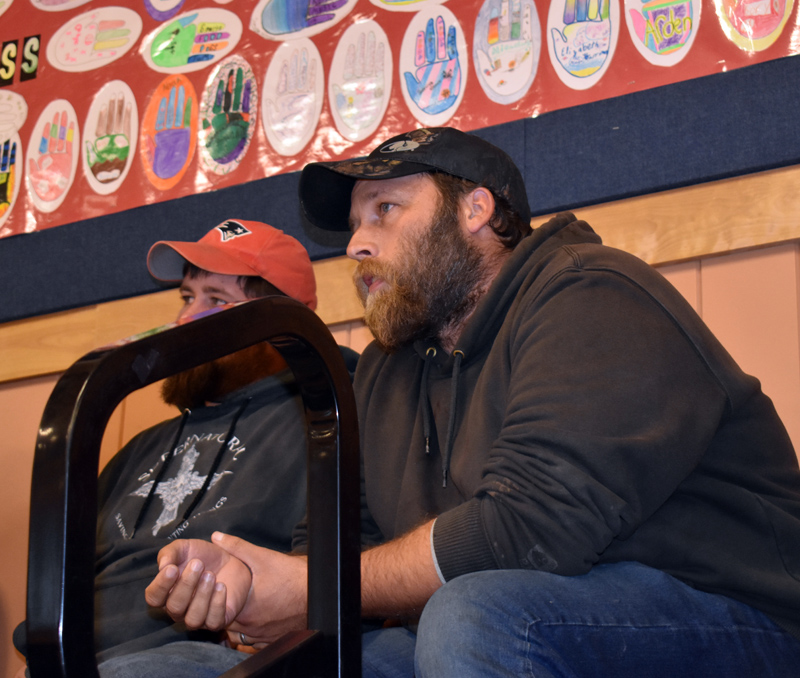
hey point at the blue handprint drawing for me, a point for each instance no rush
(435, 84)
(279, 17)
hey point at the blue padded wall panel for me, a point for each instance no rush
(700, 130)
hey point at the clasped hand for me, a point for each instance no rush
(229, 583)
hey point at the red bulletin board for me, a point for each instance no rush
(104, 108)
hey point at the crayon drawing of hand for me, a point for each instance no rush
(180, 43)
(8, 175)
(289, 16)
(435, 84)
(93, 38)
(107, 155)
(507, 57)
(50, 173)
(292, 114)
(227, 129)
(585, 42)
(359, 95)
(168, 150)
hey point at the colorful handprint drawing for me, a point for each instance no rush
(9, 183)
(192, 41)
(94, 39)
(169, 132)
(52, 160)
(360, 80)
(110, 125)
(506, 48)
(582, 38)
(228, 115)
(663, 30)
(293, 96)
(13, 111)
(289, 19)
(434, 85)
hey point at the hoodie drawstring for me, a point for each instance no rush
(423, 398)
(160, 475)
(451, 424)
(217, 460)
(458, 356)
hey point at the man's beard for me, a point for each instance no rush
(433, 285)
(211, 382)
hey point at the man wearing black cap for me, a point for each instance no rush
(565, 474)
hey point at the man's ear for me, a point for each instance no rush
(479, 207)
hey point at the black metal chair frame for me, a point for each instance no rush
(60, 614)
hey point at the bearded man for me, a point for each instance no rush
(564, 473)
(234, 460)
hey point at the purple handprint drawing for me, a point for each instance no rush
(169, 131)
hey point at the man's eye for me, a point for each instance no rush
(186, 299)
(218, 302)
(384, 207)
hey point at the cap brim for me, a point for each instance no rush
(326, 187)
(166, 260)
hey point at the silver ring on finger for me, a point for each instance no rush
(243, 639)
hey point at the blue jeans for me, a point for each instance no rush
(618, 621)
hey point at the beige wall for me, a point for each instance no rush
(750, 298)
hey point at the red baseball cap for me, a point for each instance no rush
(238, 247)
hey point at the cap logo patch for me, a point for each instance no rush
(413, 140)
(231, 229)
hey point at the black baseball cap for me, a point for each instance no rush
(325, 187)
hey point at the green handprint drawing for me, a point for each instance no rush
(227, 122)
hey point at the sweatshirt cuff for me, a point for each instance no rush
(459, 542)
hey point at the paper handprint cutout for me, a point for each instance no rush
(13, 111)
(293, 93)
(753, 25)
(163, 10)
(292, 19)
(663, 31)
(431, 71)
(192, 41)
(404, 5)
(109, 132)
(169, 132)
(506, 48)
(94, 39)
(53, 155)
(581, 39)
(360, 80)
(57, 5)
(228, 115)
